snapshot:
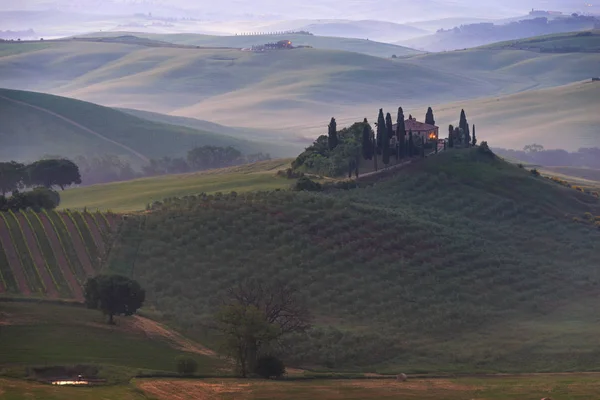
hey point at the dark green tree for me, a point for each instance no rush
(332, 138)
(380, 131)
(411, 144)
(387, 134)
(429, 119)
(374, 144)
(53, 172)
(450, 136)
(210, 157)
(367, 145)
(422, 147)
(268, 367)
(401, 133)
(474, 137)
(11, 176)
(186, 365)
(464, 126)
(114, 295)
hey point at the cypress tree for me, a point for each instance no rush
(387, 134)
(380, 131)
(422, 147)
(429, 117)
(367, 145)
(474, 137)
(464, 126)
(450, 136)
(411, 144)
(401, 133)
(374, 147)
(332, 139)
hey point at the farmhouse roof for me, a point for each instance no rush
(416, 126)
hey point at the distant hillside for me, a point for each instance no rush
(536, 116)
(416, 272)
(572, 42)
(361, 45)
(36, 124)
(478, 34)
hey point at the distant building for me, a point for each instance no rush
(420, 129)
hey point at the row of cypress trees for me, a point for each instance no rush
(461, 135)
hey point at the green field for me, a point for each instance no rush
(89, 129)
(362, 46)
(38, 334)
(135, 195)
(572, 42)
(461, 242)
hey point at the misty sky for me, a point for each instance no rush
(385, 10)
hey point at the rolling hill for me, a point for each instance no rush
(422, 271)
(363, 46)
(571, 42)
(294, 92)
(37, 124)
(562, 117)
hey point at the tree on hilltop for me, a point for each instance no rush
(387, 134)
(255, 315)
(450, 136)
(474, 143)
(53, 172)
(429, 119)
(114, 295)
(332, 134)
(401, 133)
(367, 145)
(380, 131)
(464, 126)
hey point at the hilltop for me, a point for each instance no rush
(363, 46)
(37, 124)
(443, 255)
(570, 42)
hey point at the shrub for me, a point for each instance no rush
(290, 174)
(186, 365)
(521, 166)
(535, 172)
(269, 367)
(306, 184)
(484, 148)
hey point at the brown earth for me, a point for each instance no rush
(38, 258)
(61, 258)
(13, 258)
(78, 244)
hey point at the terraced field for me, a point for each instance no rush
(50, 254)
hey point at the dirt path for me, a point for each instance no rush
(88, 130)
(13, 258)
(154, 329)
(95, 231)
(38, 257)
(82, 254)
(61, 258)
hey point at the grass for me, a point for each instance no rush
(588, 178)
(46, 335)
(444, 255)
(86, 234)
(135, 195)
(12, 389)
(35, 133)
(527, 387)
(13, 48)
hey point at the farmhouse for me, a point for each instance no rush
(420, 129)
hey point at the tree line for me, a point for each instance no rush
(537, 154)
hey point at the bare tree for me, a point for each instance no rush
(255, 314)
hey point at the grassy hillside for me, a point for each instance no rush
(38, 334)
(36, 124)
(362, 46)
(135, 195)
(571, 42)
(419, 272)
(563, 117)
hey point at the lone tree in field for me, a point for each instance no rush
(255, 315)
(380, 131)
(429, 119)
(367, 145)
(474, 143)
(401, 133)
(114, 295)
(332, 138)
(387, 134)
(53, 172)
